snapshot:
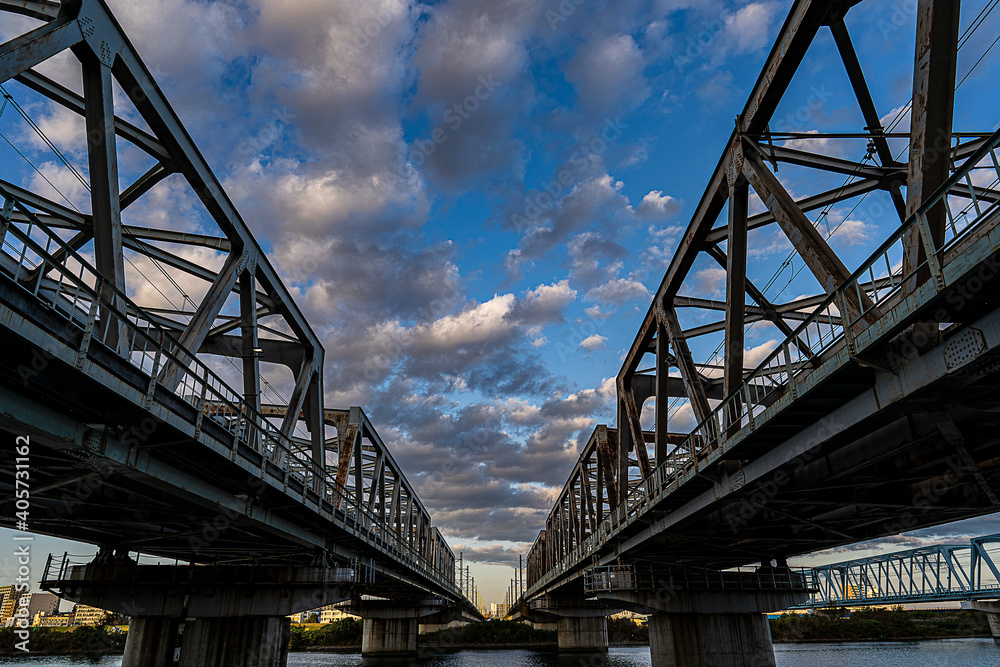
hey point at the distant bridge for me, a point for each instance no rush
(939, 573)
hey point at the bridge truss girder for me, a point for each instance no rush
(244, 294)
(727, 400)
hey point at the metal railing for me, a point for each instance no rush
(836, 324)
(40, 262)
(630, 578)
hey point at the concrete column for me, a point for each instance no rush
(994, 620)
(710, 640)
(151, 642)
(546, 626)
(992, 610)
(588, 633)
(250, 641)
(389, 636)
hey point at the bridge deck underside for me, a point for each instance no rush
(105, 471)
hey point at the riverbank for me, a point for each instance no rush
(344, 636)
(878, 625)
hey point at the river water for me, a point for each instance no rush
(938, 653)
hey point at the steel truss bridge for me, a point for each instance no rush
(147, 425)
(940, 573)
(876, 412)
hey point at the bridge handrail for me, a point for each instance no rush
(705, 443)
(79, 302)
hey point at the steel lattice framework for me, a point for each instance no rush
(946, 572)
(626, 495)
(342, 496)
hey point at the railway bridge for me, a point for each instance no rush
(875, 411)
(146, 422)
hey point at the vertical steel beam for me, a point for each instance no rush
(685, 363)
(104, 193)
(736, 281)
(248, 332)
(662, 393)
(931, 116)
(313, 410)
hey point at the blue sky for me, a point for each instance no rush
(474, 200)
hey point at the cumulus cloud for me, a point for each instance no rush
(657, 206)
(608, 74)
(593, 342)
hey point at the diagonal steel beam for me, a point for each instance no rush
(825, 265)
(27, 50)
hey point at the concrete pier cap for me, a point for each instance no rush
(205, 615)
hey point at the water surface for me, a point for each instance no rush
(939, 653)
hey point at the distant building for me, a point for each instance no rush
(87, 615)
(47, 603)
(8, 603)
(332, 612)
(43, 620)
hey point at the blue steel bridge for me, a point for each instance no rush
(938, 573)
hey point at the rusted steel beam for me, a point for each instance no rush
(931, 115)
(810, 245)
(806, 204)
(736, 286)
(34, 47)
(661, 422)
(635, 428)
(65, 97)
(797, 33)
(685, 363)
(248, 335)
(104, 197)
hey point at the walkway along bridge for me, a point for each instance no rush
(875, 413)
(146, 422)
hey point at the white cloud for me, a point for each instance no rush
(619, 291)
(658, 206)
(593, 342)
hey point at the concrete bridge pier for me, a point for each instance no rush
(204, 616)
(992, 610)
(391, 628)
(583, 633)
(580, 627)
(719, 640)
(714, 626)
(389, 636)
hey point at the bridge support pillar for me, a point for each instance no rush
(587, 633)
(249, 641)
(719, 640)
(151, 641)
(217, 615)
(389, 636)
(252, 641)
(992, 610)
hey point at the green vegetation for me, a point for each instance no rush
(496, 633)
(627, 631)
(867, 624)
(345, 633)
(85, 639)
